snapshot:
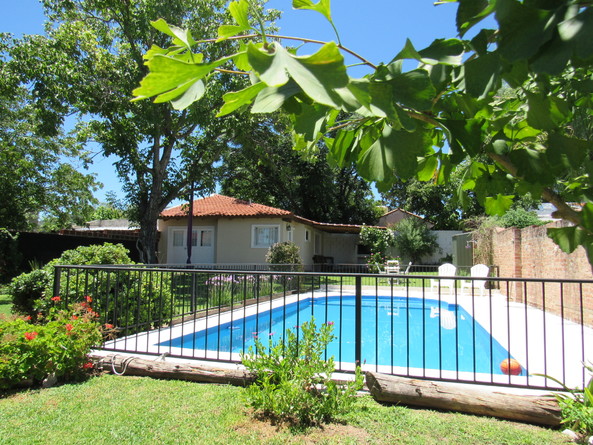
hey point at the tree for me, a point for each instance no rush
(264, 168)
(437, 203)
(413, 239)
(400, 122)
(37, 179)
(88, 65)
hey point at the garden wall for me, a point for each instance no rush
(529, 253)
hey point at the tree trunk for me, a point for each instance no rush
(158, 368)
(446, 396)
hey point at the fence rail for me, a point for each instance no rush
(508, 332)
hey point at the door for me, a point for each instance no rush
(202, 250)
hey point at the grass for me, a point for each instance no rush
(133, 410)
(5, 302)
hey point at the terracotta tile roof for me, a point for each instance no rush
(219, 205)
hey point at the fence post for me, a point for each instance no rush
(358, 322)
(57, 275)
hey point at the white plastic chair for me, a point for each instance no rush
(477, 271)
(445, 270)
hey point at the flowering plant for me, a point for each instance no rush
(55, 345)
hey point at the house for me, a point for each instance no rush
(227, 230)
(393, 217)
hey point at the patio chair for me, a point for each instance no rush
(445, 270)
(477, 271)
(391, 267)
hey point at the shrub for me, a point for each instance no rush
(577, 408)
(293, 381)
(519, 218)
(59, 347)
(414, 239)
(139, 299)
(378, 241)
(284, 253)
(26, 288)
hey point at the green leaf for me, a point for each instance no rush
(482, 75)
(567, 238)
(318, 74)
(169, 75)
(568, 152)
(237, 99)
(193, 93)
(393, 152)
(498, 205)
(180, 36)
(578, 31)
(523, 29)
(471, 12)
(341, 147)
(311, 121)
(444, 51)
(413, 89)
(271, 99)
(323, 7)
(239, 10)
(587, 216)
(428, 166)
(543, 113)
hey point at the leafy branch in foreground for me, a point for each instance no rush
(449, 113)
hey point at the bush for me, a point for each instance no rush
(31, 352)
(294, 382)
(414, 239)
(577, 408)
(519, 218)
(284, 253)
(27, 288)
(378, 241)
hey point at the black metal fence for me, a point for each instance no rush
(494, 331)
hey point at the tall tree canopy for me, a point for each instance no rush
(264, 168)
(37, 179)
(88, 64)
(424, 122)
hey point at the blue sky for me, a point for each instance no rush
(376, 29)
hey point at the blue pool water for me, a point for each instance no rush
(396, 331)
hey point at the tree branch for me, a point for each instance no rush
(563, 210)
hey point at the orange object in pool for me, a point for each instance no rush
(510, 366)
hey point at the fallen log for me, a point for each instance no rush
(161, 369)
(540, 410)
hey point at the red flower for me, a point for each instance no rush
(30, 335)
(88, 299)
(88, 365)
(56, 298)
(74, 317)
(28, 318)
(69, 327)
(108, 326)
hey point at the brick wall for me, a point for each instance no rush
(529, 253)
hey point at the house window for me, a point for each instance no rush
(178, 238)
(289, 231)
(206, 238)
(263, 236)
(307, 236)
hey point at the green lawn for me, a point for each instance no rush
(132, 410)
(5, 303)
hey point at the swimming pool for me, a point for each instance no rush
(396, 331)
